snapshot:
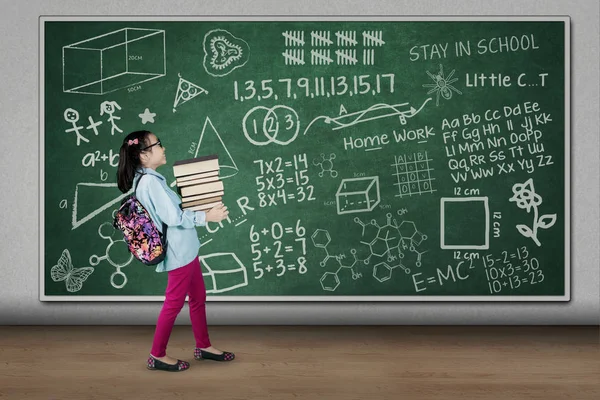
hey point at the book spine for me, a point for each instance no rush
(196, 160)
(199, 182)
(201, 188)
(183, 172)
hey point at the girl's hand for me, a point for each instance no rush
(217, 214)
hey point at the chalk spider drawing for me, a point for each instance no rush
(442, 85)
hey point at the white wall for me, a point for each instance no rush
(19, 168)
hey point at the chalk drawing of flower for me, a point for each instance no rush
(526, 199)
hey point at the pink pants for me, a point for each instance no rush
(186, 280)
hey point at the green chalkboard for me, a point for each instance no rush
(363, 160)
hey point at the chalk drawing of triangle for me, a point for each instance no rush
(184, 95)
(227, 166)
(93, 195)
(213, 144)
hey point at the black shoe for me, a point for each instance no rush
(200, 354)
(154, 364)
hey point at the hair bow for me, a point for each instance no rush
(134, 141)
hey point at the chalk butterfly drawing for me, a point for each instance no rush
(73, 277)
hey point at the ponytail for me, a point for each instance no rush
(129, 158)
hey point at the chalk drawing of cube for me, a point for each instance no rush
(356, 195)
(223, 272)
(113, 61)
(465, 223)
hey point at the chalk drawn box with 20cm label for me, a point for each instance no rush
(113, 61)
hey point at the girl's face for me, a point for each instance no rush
(154, 155)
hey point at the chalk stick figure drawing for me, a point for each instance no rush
(109, 107)
(73, 277)
(72, 116)
(442, 85)
(527, 199)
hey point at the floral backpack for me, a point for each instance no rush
(144, 240)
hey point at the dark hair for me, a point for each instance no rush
(129, 158)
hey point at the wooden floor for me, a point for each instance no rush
(305, 362)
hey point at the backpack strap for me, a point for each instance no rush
(137, 183)
(164, 226)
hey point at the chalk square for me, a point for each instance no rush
(464, 223)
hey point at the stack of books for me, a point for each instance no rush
(198, 182)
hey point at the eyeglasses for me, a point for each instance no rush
(154, 144)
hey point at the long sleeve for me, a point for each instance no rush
(153, 192)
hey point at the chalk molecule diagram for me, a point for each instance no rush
(106, 231)
(390, 241)
(326, 165)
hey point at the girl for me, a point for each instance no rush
(140, 155)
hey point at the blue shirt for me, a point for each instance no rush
(162, 204)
